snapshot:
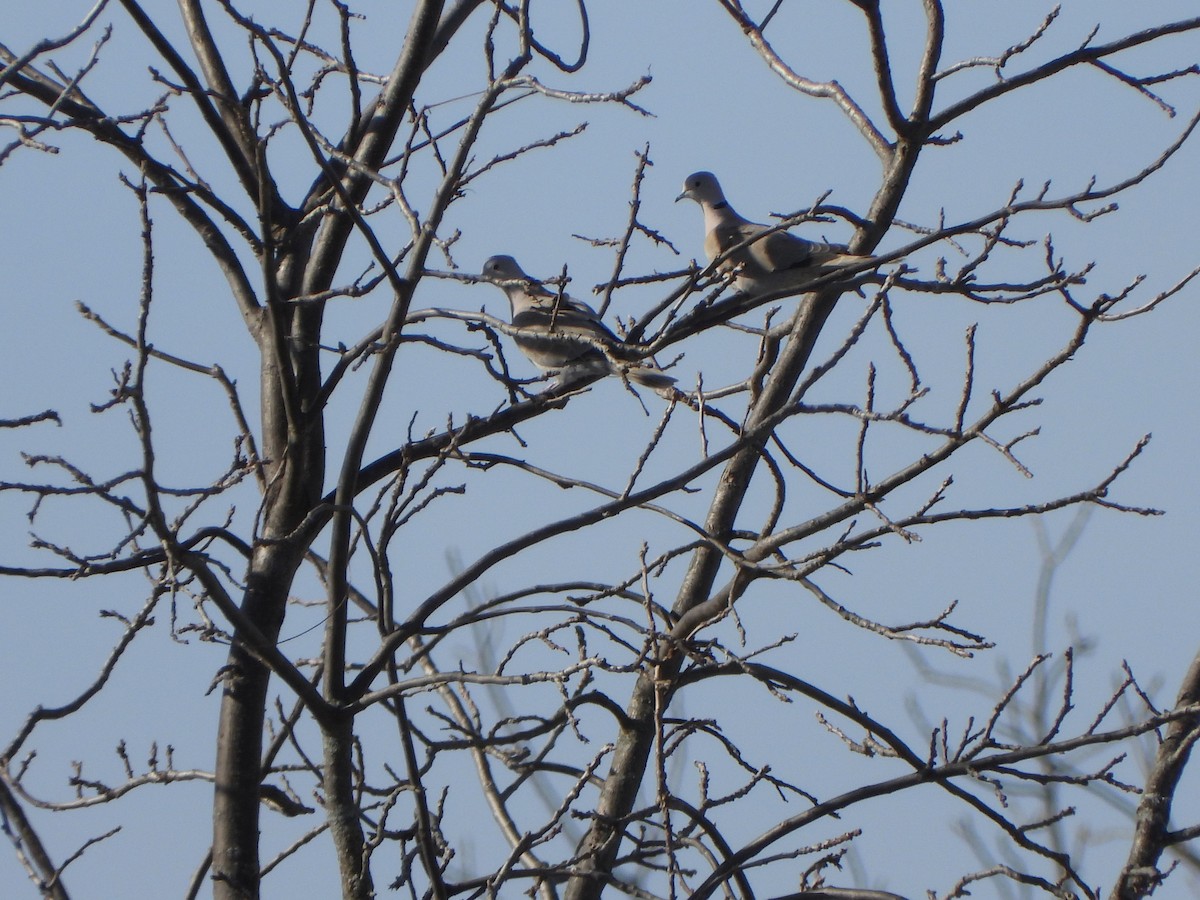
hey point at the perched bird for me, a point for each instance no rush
(558, 333)
(769, 261)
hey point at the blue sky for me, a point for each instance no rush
(1127, 592)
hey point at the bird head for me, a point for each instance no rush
(702, 187)
(503, 270)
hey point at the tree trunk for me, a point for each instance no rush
(294, 454)
(1141, 874)
(598, 850)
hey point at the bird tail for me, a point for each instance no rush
(625, 361)
(834, 256)
(650, 377)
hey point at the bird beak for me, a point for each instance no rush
(685, 194)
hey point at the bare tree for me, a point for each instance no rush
(556, 707)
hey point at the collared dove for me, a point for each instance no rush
(771, 261)
(559, 333)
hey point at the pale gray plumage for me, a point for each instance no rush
(558, 333)
(771, 261)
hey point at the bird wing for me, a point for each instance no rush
(768, 251)
(568, 316)
(774, 252)
(560, 332)
(778, 251)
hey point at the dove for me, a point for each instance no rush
(558, 333)
(770, 261)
